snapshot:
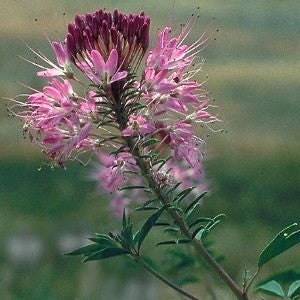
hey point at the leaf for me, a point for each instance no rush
(272, 288)
(294, 288)
(85, 250)
(183, 194)
(193, 203)
(176, 242)
(149, 142)
(148, 225)
(132, 187)
(173, 188)
(200, 234)
(147, 208)
(199, 220)
(103, 242)
(286, 239)
(106, 253)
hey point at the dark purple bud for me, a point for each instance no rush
(70, 47)
(131, 32)
(109, 19)
(136, 24)
(142, 13)
(116, 17)
(105, 33)
(119, 49)
(71, 28)
(147, 21)
(120, 20)
(79, 21)
(145, 36)
(114, 35)
(89, 41)
(100, 15)
(89, 20)
(78, 38)
(124, 27)
(95, 27)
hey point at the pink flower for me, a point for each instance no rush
(138, 125)
(54, 118)
(63, 68)
(112, 175)
(106, 70)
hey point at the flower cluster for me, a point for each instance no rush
(151, 117)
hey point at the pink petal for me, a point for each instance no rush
(128, 131)
(98, 61)
(112, 62)
(83, 134)
(118, 76)
(61, 55)
(50, 73)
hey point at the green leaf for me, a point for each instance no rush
(294, 289)
(200, 234)
(147, 208)
(86, 250)
(183, 194)
(286, 239)
(106, 253)
(148, 225)
(175, 242)
(199, 220)
(173, 188)
(131, 187)
(193, 203)
(103, 242)
(272, 288)
(149, 142)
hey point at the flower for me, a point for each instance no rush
(137, 125)
(147, 117)
(102, 31)
(53, 119)
(107, 70)
(63, 68)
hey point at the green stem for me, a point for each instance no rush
(252, 280)
(163, 279)
(178, 219)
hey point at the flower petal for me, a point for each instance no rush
(98, 61)
(112, 62)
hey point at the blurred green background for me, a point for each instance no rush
(253, 167)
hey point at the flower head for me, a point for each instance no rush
(149, 117)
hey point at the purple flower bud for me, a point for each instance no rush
(89, 20)
(142, 13)
(145, 36)
(78, 38)
(89, 42)
(125, 27)
(100, 14)
(131, 32)
(116, 17)
(105, 33)
(71, 28)
(109, 19)
(70, 47)
(114, 35)
(95, 27)
(79, 21)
